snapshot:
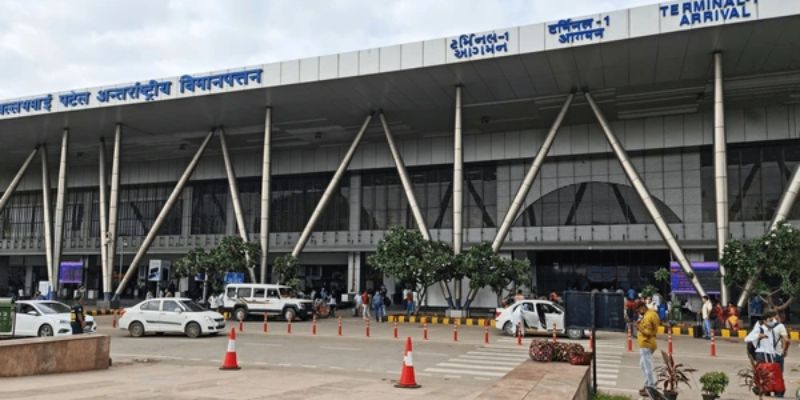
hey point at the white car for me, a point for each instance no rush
(171, 315)
(534, 313)
(243, 299)
(46, 318)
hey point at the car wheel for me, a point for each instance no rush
(45, 330)
(575, 334)
(508, 329)
(193, 330)
(136, 329)
(289, 314)
(240, 314)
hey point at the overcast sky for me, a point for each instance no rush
(54, 45)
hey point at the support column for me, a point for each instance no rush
(17, 178)
(266, 192)
(105, 270)
(644, 195)
(525, 187)
(233, 188)
(162, 215)
(58, 228)
(113, 205)
(326, 196)
(406, 181)
(458, 189)
(48, 227)
(784, 208)
(720, 172)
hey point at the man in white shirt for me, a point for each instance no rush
(771, 341)
(706, 314)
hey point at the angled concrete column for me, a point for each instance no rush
(233, 187)
(17, 178)
(113, 203)
(326, 196)
(405, 180)
(265, 192)
(525, 187)
(784, 208)
(105, 270)
(162, 215)
(644, 195)
(61, 192)
(48, 227)
(720, 172)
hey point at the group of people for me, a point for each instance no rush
(375, 303)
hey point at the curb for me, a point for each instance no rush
(106, 311)
(441, 320)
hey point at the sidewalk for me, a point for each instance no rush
(149, 379)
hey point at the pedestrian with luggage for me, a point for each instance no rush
(770, 341)
(647, 328)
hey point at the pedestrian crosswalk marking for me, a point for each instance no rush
(483, 361)
(467, 366)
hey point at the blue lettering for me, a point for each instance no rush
(729, 3)
(699, 5)
(734, 13)
(745, 14)
(717, 4)
(725, 13)
(685, 20)
(674, 10)
(687, 7)
(664, 10)
(708, 16)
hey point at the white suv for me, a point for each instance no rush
(244, 299)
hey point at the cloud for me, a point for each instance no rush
(54, 45)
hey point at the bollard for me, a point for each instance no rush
(114, 320)
(425, 330)
(340, 326)
(669, 342)
(455, 332)
(314, 326)
(554, 333)
(591, 341)
(395, 328)
(289, 327)
(241, 326)
(486, 333)
(630, 340)
(519, 335)
(366, 329)
(266, 323)
(713, 345)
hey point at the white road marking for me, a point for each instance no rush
(308, 366)
(337, 368)
(484, 361)
(451, 371)
(499, 356)
(481, 367)
(452, 376)
(340, 348)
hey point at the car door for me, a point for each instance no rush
(273, 301)
(148, 314)
(529, 315)
(171, 317)
(552, 316)
(25, 323)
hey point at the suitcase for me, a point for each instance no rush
(775, 383)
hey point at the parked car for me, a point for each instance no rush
(171, 315)
(46, 318)
(534, 313)
(243, 299)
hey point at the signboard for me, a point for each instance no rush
(44, 288)
(158, 270)
(70, 272)
(692, 13)
(234, 277)
(707, 272)
(601, 311)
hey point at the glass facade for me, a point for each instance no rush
(384, 202)
(209, 207)
(591, 203)
(139, 206)
(758, 174)
(22, 216)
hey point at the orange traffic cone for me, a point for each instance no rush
(455, 332)
(366, 329)
(114, 320)
(713, 345)
(314, 326)
(289, 326)
(425, 330)
(241, 326)
(486, 333)
(266, 323)
(407, 378)
(519, 335)
(340, 325)
(630, 340)
(395, 328)
(229, 362)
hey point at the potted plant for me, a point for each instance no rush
(670, 375)
(714, 383)
(754, 378)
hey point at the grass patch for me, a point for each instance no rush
(606, 396)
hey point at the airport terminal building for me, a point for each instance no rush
(600, 147)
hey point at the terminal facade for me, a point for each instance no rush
(622, 115)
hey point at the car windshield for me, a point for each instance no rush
(192, 306)
(53, 308)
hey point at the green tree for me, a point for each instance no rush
(231, 255)
(772, 259)
(412, 260)
(198, 261)
(485, 268)
(284, 270)
(235, 255)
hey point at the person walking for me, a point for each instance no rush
(365, 304)
(771, 342)
(755, 309)
(706, 314)
(358, 303)
(647, 328)
(377, 306)
(409, 302)
(332, 305)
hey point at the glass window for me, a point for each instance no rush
(192, 306)
(150, 305)
(26, 308)
(140, 205)
(243, 292)
(209, 207)
(170, 306)
(272, 293)
(258, 293)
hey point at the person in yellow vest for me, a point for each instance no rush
(646, 330)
